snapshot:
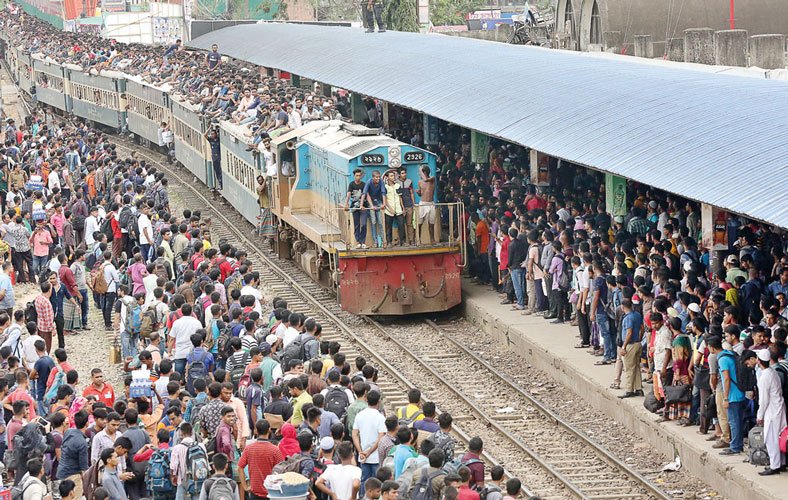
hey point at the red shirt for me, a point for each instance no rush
(20, 394)
(477, 470)
(66, 276)
(106, 395)
(465, 493)
(260, 456)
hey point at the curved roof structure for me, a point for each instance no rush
(718, 139)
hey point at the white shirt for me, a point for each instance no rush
(254, 292)
(369, 423)
(111, 276)
(289, 336)
(91, 226)
(150, 284)
(14, 333)
(280, 331)
(340, 479)
(182, 330)
(53, 180)
(142, 223)
(29, 350)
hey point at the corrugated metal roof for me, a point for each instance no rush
(718, 139)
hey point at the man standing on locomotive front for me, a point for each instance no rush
(405, 190)
(354, 201)
(373, 192)
(426, 192)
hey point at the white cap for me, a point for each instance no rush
(694, 307)
(764, 354)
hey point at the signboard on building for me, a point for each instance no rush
(615, 195)
(479, 145)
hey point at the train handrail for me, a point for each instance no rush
(456, 209)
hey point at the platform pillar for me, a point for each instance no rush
(699, 45)
(730, 48)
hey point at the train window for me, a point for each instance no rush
(243, 172)
(100, 97)
(146, 109)
(189, 135)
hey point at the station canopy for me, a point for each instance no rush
(714, 138)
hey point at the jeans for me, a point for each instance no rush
(390, 220)
(367, 471)
(109, 301)
(180, 366)
(377, 9)
(182, 493)
(217, 170)
(736, 421)
(84, 305)
(606, 336)
(518, 276)
(146, 252)
(360, 225)
(128, 344)
(39, 263)
(376, 219)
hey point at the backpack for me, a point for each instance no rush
(488, 488)
(294, 350)
(452, 466)
(90, 261)
(150, 321)
(124, 216)
(51, 395)
(758, 454)
(132, 227)
(91, 479)
(106, 229)
(78, 223)
(221, 489)
(197, 406)
(196, 370)
(18, 491)
(291, 464)
(337, 401)
(237, 373)
(30, 313)
(745, 377)
(223, 347)
(197, 468)
(423, 488)
(133, 317)
(407, 421)
(158, 473)
(565, 281)
(98, 283)
(243, 385)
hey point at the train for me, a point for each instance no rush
(314, 166)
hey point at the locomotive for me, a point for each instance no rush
(314, 166)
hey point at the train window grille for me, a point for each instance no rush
(146, 109)
(190, 136)
(99, 97)
(46, 80)
(243, 172)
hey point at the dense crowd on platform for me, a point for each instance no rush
(223, 388)
(707, 336)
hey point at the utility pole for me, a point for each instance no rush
(732, 19)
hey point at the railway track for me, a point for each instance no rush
(551, 457)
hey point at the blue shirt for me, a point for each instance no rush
(43, 368)
(375, 191)
(5, 284)
(327, 419)
(726, 362)
(73, 454)
(634, 321)
(402, 453)
(776, 287)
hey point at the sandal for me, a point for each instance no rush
(581, 346)
(615, 386)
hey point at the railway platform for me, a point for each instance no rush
(550, 348)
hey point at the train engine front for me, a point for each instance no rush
(358, 248)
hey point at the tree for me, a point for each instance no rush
(452, 12)
(401, 15)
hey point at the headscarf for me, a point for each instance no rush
(289, 444)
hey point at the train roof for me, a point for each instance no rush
(344, 139)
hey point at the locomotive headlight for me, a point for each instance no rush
(394, 152)
(395, 162)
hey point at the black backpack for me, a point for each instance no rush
(782, 371)
(336, 401)
(30, 313)
(745, 377)
(106, 229)
(294, 350)
(423, 488)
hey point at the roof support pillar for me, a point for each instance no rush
(731, 47)
(699, 45)
(767, 51)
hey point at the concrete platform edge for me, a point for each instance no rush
(669, 440)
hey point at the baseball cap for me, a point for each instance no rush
(694, 307)
(327, 443)
(732, 259)
(265, 348)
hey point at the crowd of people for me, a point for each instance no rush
(221, 388)
(705, 337)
